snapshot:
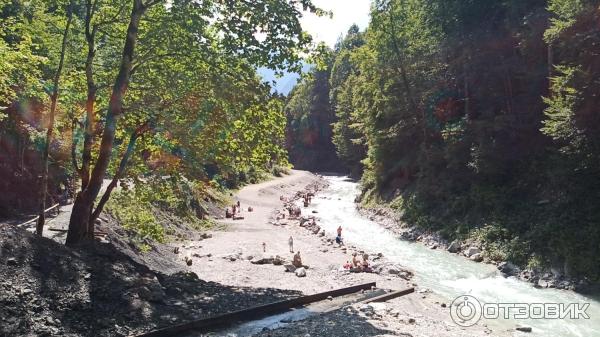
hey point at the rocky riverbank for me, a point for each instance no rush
(113, 289)
(254, 252)
(475, 251)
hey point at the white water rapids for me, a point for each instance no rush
(447, 274)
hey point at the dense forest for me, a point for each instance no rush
(100, 93)
(308, 132)
(477, 119)
(471, 118)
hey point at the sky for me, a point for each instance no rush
(345, 13)
(326, 29)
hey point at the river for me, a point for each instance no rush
(447, 274)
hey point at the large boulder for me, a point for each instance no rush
(545, 284)
(289, 268)
(264, 259)
(508, 268)
(278, 260)
(472, 251)
(454, 247)
(476, 257)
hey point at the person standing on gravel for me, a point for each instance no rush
(291, 244)
(339, 231)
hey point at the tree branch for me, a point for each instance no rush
(120, 171)
(74, 147)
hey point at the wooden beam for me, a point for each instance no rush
(389, 296)
(201, 326)
(58, 230)
(35, 219)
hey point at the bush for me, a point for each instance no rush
(139, 209)
(135, 213)
(279, 171)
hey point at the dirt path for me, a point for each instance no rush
(216, 259)
(246, 237)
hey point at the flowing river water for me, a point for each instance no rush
(448, 274)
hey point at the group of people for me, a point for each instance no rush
(307, 198)
(234, 212)
(357, 265)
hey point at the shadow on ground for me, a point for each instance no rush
(47, 289)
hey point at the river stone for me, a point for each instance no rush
(300, 272)
(374, 308)
(405, 275)
(265, 259)
(454, 247)
(278, 260)
(542, 284)
(393, 271)
(476, 257)
(472, 251)
(524, 329)
(508, 268)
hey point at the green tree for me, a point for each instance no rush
(309, 121)
(262, 33)
(344, 79)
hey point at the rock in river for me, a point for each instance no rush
(472, 251)
(454, 247)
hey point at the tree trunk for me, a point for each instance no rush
(53, 98)
(90, 36)
(79, 224)
(118, 175)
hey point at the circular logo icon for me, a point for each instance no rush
(465, 310)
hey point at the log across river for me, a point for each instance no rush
(447, 274)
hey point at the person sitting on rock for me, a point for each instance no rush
(365, 264)
(348, 265)
(355, 261)
(338, 240)
(297, 261)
